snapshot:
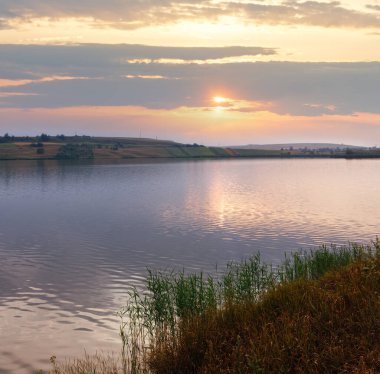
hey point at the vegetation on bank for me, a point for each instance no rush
(325, 325)
(318, 311)
(85, 147)
(75, 152)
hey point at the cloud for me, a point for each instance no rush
(133, 14)
(9, 94)
(310, 13)
(3, 24)
(128, 14)
(102, 55)
(98, 75)
(373, 7)
(23, 82)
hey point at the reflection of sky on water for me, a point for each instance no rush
(74, 237)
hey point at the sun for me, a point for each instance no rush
(219, 99)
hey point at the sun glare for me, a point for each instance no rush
(219, 100)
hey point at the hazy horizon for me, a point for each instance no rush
(177, 141)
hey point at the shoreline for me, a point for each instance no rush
(216, 157)
(310, 304)
(94, 148)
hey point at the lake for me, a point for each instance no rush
(74, 237)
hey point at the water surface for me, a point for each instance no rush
(75, 236)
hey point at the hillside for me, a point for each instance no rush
(60, 147)
(297, 146)
(85, 147)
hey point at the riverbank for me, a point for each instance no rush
(85, 147)
(316, 312)
(329, 324)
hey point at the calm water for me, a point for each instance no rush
(74, 237)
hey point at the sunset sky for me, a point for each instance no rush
(216, 72)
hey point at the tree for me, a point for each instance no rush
(44, 137)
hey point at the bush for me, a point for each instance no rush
(75, 152)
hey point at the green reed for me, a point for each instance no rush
(153, 317)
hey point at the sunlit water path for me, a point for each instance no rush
(75, 237)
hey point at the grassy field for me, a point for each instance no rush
(24, 151)
(317, 312)
(85, 147)
(112, 148)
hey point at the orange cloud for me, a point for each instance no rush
(23, 82)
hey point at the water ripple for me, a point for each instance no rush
(74, 238)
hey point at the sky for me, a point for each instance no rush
(215, 72)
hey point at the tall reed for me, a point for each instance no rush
(154, 317)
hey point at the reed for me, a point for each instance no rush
(250, 316)
(90, 364)
(154, 318)
(316, 313)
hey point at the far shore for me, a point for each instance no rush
(62, 147)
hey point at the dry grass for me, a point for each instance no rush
(90, 364)
(329, 325)
(115, 149)
(23, 151)
(318, 312)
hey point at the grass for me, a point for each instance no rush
(58, 147)
(318, 311)
(95, 364)
(176, 295)
(329, 325)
